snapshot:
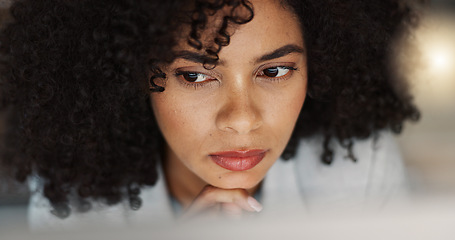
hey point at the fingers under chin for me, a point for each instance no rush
(213, 201)
(231, 210)
(239, 197)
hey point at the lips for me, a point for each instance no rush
(238, 160)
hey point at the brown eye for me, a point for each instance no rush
(271, 72)
(194, 77)
(276, 72)
(190, 77)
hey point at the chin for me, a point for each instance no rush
(237, 180)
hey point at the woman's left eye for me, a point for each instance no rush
(276, 72)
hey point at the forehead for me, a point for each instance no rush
(273, 25)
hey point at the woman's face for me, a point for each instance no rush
(227, 126)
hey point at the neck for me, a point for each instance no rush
(181, 182)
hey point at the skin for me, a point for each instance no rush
(235, 107)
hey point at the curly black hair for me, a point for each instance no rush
(75, 84)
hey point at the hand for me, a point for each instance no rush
(224, 202)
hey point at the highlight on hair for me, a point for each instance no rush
(75, 79)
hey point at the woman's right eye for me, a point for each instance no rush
(194, 77)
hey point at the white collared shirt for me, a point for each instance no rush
(302, 185)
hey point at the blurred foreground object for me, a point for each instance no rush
(423, 219)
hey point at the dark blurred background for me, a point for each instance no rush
(11, 192)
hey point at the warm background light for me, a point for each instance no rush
(427, 60)
(439, 60)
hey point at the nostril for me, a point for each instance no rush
(239, 121)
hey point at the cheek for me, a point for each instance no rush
(286, 106)
(181, 123)
(165, 113)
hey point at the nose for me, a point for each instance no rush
(239, 113)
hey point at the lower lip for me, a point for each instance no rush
(238, 162)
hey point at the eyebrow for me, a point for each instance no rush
(203, 58)
(281, 52)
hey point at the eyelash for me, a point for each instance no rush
(195, 85)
